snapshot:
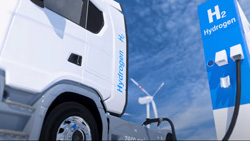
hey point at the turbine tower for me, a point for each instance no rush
(148, 99)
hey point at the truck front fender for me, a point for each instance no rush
(47, 97)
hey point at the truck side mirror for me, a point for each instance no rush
(39, 3)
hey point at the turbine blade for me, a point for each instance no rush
(140, 87)
(162, 84)
(155, 109)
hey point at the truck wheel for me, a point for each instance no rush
(70, 121)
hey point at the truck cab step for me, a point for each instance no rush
(20, 105)
(17, 114)
(12, 135)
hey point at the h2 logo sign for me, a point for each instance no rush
(216, 13)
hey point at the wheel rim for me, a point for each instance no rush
(74, 128)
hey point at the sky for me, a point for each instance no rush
(165, 45)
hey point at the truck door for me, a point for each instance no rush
(98, 70)
(106, 54)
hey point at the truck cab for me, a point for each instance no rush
(63, 72)
(82, 41)
(46, 44)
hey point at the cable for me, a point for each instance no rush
(172, 128)
(237, 102)
(159, 120)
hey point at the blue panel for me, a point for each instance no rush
(223, 31)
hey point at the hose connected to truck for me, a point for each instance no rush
(159, 120)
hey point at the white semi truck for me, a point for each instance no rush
(63, 72)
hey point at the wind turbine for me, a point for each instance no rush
(148, 99)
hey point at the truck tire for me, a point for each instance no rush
(70, 121)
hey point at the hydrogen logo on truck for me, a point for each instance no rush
(121, 37)
(121, 72)
(218, 15)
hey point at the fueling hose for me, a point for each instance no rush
(159, 120)
(172, 128)
(237, 102)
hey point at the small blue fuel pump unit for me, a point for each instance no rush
(225, 34)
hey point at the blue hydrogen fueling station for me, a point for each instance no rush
(225, 34)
